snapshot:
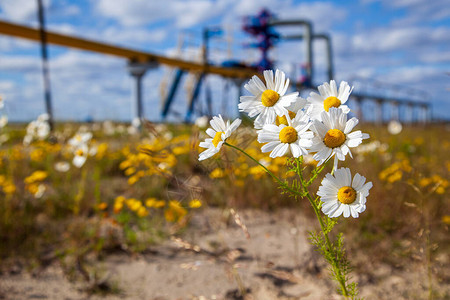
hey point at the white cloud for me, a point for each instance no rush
(414, 74)
(417, 11)
(72, 61)
(324, 15)
(141, 12)
(180, 13)
(63, 9)
(20, 63)
(404, 38)
(132, 13)
(6, 86)
(435, 57)
(20, 10)
(10, 44)
(130, 36)
(63, 28)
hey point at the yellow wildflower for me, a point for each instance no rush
(142, 212)
(152, 202)
(133, 204)
(440, 190)
(37, 155)
(36, 176)
(396, 176)
(446, 219)
(32, 188)
(181, 150)
(217, 173)
(257, 172)
(118, 205)
(175, 212)
(130, 171)
(133, 179)
(9, 187)
(195, 203)
(102, 206)
(101, 151)
(424, 182)
(125, 164)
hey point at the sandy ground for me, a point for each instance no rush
(276, 262)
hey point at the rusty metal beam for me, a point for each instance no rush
(30, 33)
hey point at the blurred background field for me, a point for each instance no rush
(136, 190)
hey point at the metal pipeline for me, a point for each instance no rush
(329, 50)
(308, 39)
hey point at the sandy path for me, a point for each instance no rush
(277, 262)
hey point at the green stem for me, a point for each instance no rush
(341, 280)
(97, 193)
(282, 183)
(312, 201)
(80, 194)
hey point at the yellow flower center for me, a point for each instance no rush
(334, 138)
(288, 135)
(269, 98)
(331, 101)
(217, 138)
(282, 120)
(79, 152)
(346, 195)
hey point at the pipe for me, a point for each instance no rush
(11, 29)
(329, 50)
(308, 38)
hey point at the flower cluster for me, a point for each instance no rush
(287, 124)
(173, 210)
(34, 185)
(80, 146)
(38, 129)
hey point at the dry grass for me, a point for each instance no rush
(407, 210)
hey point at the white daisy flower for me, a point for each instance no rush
(329, 97)
(293, 109)
(340, 195)
(218, 133)
(4, 138)
(80, 139)
(333, 136)
(43, 117)
(294, 136)
(43, 130)
(202, 121)
(40, 191)
(394, 127)
(62, 166)
(80, 155)
(268, 100)
(3, 121)
(38, 129)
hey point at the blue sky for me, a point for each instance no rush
(401, 42)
